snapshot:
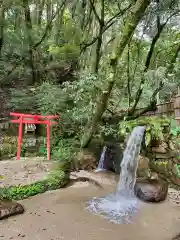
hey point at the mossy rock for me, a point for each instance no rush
(84, 160)
(157, 128)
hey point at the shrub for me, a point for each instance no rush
(156, 127)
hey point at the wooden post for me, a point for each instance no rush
(48, 139)
(20, 131)
(177, 109)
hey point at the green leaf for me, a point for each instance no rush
(147, 138)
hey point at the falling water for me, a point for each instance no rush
(121, 206)
(101, 161)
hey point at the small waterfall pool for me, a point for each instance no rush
(121, 206)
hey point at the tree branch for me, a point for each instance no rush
(160, 28)
(94, 11)
(107, 25)
(48, 26)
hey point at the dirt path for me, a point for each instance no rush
(61, 214)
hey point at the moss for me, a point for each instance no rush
(55, 180)
(156, 128)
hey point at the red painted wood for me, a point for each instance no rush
(48, 140)
(33, 116)
(19, 138)
(33, 119)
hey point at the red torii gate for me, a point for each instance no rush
(32, 119)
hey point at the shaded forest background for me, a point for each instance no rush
(94, 62)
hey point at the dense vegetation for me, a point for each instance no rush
(94, 62)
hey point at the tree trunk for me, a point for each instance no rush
(2, 19)
(40, 8)
(120, 43)
(32, 53)
(98, 51)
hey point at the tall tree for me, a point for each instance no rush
(131, 23)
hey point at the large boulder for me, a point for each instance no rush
(10, 208)
(113, 157)
(84, 160)
(151, 190)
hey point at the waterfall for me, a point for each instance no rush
(121, 206)
(101, 161)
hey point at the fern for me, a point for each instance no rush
(155, 127)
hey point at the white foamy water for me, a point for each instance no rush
(121, 206)
(100, 167)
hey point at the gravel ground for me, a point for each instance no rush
(24, 171)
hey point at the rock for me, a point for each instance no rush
(174, 170)
(84, 160)
(113, 157)
(143, 162)
(159, 149)
(176, 160)
(154, 175)
(162, 156)
(10, 208)
(151, 190)
(177, 237)
(171, 146)
(143, 167)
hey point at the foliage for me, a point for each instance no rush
(59, 61)
(54, 181)
(63, 150)
(175, 130)
(8, 148)
(155, 127)
(178, 169)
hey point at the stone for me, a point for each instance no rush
(177, 237)
(151, 190)
(10, 208)
(176, 160)
(159, 149)
(173, 154)
(113, 157)
(162, 156)
(143, 167)
(174, 170)
(143, 162)
(84, 160)
(171, 146)
(154, 175)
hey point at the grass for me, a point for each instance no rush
(57, 179)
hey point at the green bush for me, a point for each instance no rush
(178, 169)
(175, 130)
(55, 180)
(156, 127)
(63, 150)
